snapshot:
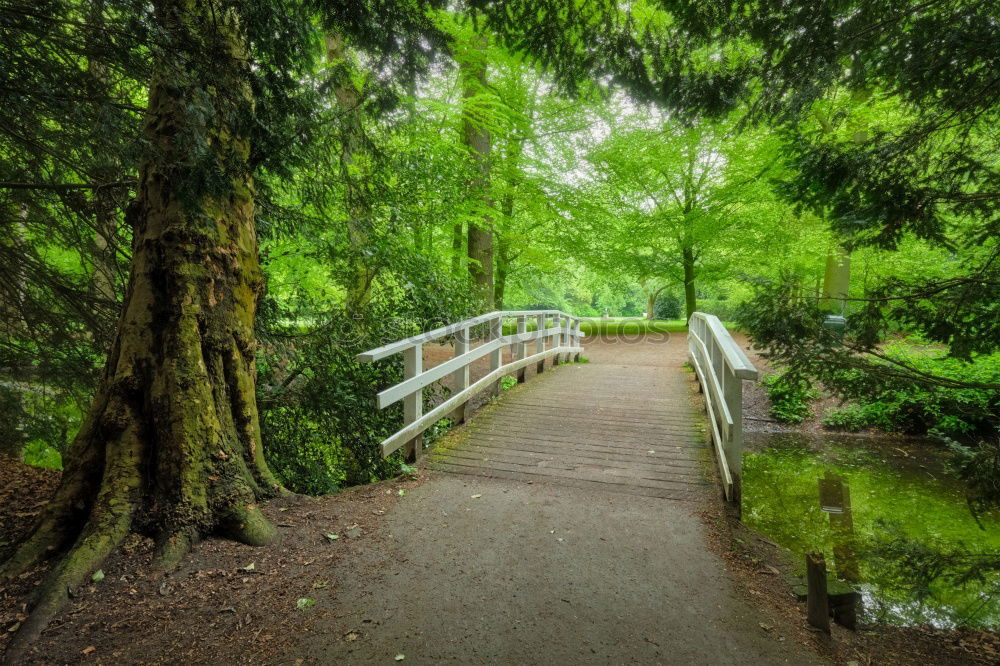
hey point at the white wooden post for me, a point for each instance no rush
(556, 336)
(461, 376)
(496, 356)
(576, 338)
(540, 342)
(413, 404)
(522, 348)
(732, 392)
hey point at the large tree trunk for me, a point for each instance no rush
(690, 272)
(171, 445)
(477, 139)
(352, 171)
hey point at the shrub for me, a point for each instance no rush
(667, 306)
(920, 408)
(790, 397)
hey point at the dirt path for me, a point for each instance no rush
(470, 569)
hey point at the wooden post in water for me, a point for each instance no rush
(540, 342)
(461, 376)
(522, 327)
(817, 603)
(413, 404)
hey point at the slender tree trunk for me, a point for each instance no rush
(352, 169)
(171, 444)
(690, 272)
(457, 248)
(502, 269)
(651, 302)
(477, 139)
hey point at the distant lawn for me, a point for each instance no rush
(632, 326)
(616, 326)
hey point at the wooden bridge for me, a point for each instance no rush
(623, 422)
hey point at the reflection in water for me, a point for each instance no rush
(835, 499)
(873, 494)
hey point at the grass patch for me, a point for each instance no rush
(633, 326)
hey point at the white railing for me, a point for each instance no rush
(721, 367)
(562, 337)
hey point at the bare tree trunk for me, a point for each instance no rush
(477, 139)
(171, 444)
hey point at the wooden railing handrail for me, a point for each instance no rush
(734, 356)
(565, 339)
(721, 366)
(401, 345)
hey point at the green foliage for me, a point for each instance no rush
(915, 409)
(668, 306)
(851, 418)
(790, 397)
(40, 454)
(507, 383)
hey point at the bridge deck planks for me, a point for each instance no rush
(621, 426)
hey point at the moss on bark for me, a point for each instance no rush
(171, 445)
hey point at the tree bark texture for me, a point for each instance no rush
(690, 273)
(476, 137)
(171, 445)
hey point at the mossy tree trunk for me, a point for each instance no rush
(171, 445)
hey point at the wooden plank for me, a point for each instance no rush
(571, 474)
(676, 495)
(570, 456)
(665, 446)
